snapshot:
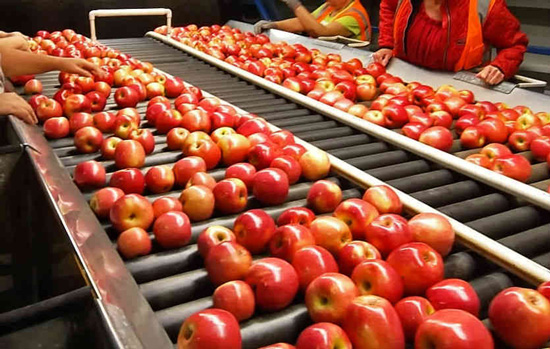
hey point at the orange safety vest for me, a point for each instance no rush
(474, 48)
(355, 10)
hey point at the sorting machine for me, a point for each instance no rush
(71, 285)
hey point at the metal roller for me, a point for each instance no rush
(377, 160)
(475, 208)
(449, 194)
(509, 222)
(172, 318)
(422, 181)
(406, 169)
(360, 150)
(177, 289)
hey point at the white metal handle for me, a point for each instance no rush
(129, 12)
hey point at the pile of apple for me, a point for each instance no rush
(369, 277)
(421, 112)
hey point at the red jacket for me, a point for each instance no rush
(500, 30)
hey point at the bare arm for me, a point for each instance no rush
(316, 29)
(16, 62)
(14, 41)
(292, 25)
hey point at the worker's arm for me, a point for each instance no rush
(16, 62)
(12, 104)
(292, 25)
(385, 39)
(309, 22)
(502, 31)
(17, 42)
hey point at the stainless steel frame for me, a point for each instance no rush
(505, 184)
(127, 314)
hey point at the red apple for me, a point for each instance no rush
(172, 229)
(88, 139)
(210, 328)
(395, 116)
(494, 130)
(261, 155)
(89, 174)
(521, 317)
(108, 147)
(132, 210)
(159, 179)
(197, 202)
(126, 97)
(212, 236)
(103, 199)
(384, 199)
(323, 335)
(235, 297)
(288, 239)
(176, 137)
(377, 277)
(201, 178)
(270, 186)
(412, 312)
(495, 151)
(154, 110)
(134, 242)
(274, 281)
(243, 171)
(540, 147)
(296, 215)
(166, 204)
(80, 120)
(315, 164)
(230, 195)
(371, 322)
(472, 137)
(145, 137)
(254, 229)
(32, 87)
(480, 160)
(129, 153)
(104, 121)
(324, 196)
(419, 266)
(454, 294)
(513, 166)
(357, 214)
(434, 230)
(234, 148)
(451, 328)
(330, 233)
(387, 232)
(56, 127)
(185, 168)
(227, 261)
(437, 137)
(355, 252)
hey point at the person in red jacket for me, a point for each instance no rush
(452, 35)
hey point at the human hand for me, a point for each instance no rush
(491, 75)
(78, 66)
(383, 56)
(260, 26)
(293, 4)
(12, 104)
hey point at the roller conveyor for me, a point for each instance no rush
(174, 282)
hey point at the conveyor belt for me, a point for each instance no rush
(176, 285)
